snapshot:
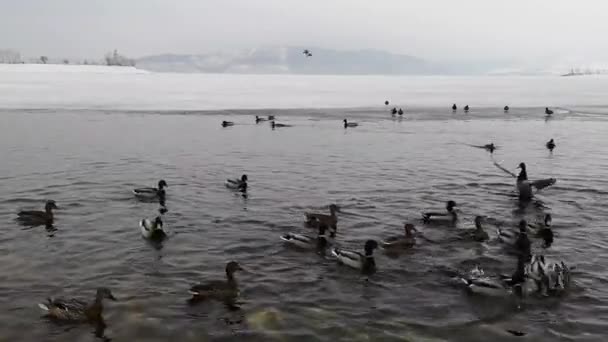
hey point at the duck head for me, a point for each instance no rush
(409, 229)
(345, 122)
(232, 267)
(450, 205)
(478, 220)
(523, 227)
(369, 247)
(548, 220)
(104, 293)
(333, 209)
(243, 178)
(50, 205)
(523, 175)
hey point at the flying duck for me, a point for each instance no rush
(237, 184)
(37, 217)
(218, 289)
(401, 241)
(151, 193)
(349, 124)
(364, 262)
(449, 215)
(75, 310)
(152, 230)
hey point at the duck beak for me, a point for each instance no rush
(111, 296)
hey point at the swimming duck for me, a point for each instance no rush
(350, 124)
(259, 119)
(75, 310)
(227, 123)
(318, 242)
(364, 262)
(454, 108)
(275, 125)
(486, 286)
(270, 117)
(330, 220)
(37, 217)
(386, 103)
(152, 230)
(543, 229)
(401, 241)
(448, 216)
(466, 108)
(550, 145)
(152, 192)
(237, 184)
(548, 111)
(400, 112)
(394, 111)
(506, 108)
(551, 276)
(479, 234)
(218, 289)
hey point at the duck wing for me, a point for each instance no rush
(543, 183)
(349, 258)
(32, 213)
(145, 191)
(299, 240)
(213, 288)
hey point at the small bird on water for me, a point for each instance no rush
(548, 111)
(466, 108)
(551, 145)
(454, 107)
(506, 108)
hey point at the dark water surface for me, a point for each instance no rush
(382, 174)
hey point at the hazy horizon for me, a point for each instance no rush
(521, 31)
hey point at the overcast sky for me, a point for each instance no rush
(439, 30)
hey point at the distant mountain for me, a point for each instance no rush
(291, 60)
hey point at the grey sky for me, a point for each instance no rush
(441, 30)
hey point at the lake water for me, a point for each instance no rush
(85, 137)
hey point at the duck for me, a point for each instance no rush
(218, 289)
(270, 117)
(454, 108)
(362, 261)
(386, 103)
(401, 241)
(394, 111)
(237, 184)
(508, 236)
(543, 229)
(318, 242)
(448, 216)
(349, 124)
(152, 230)
(548, 111)
(478, 234)
(259, 119)
(466, 108)
(331, 220)
(75, 310)
(524, 187)
(550, 145)
(275, 125)
(227, 123)
(486, 286)
(37, 217)
(550, 276)
(506, 109)
(152, 192)
(400, 112)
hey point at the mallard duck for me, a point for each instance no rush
(227, 123)
(259, 119)
(365, 262)
(278, 125)
(401, 241)
(37, 217)
(486, 286)
(550, 145)
(551, 276)
(349, 124)
(75, 310)
(466, 108)
(303, 241)
(237, 184)
(524, 186)
(331, 220)
(218, 289)
(449, 216)
(151, 193)
(548, 111)
(506, 109)
(152, 230)
(478, 234)
(497, 286)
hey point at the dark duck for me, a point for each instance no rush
(37, 217)
(152, 193)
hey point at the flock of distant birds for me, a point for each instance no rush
(533, 273)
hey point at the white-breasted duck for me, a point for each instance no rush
(218, 289)
(237, 184)
(151, 193)
(550, 145)
(318, 242)
(153, 229)
(349, 124)
(38, 217)
(401, 241)
(362, 261)
(548, 111)
(449, 216)
(75, 310)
